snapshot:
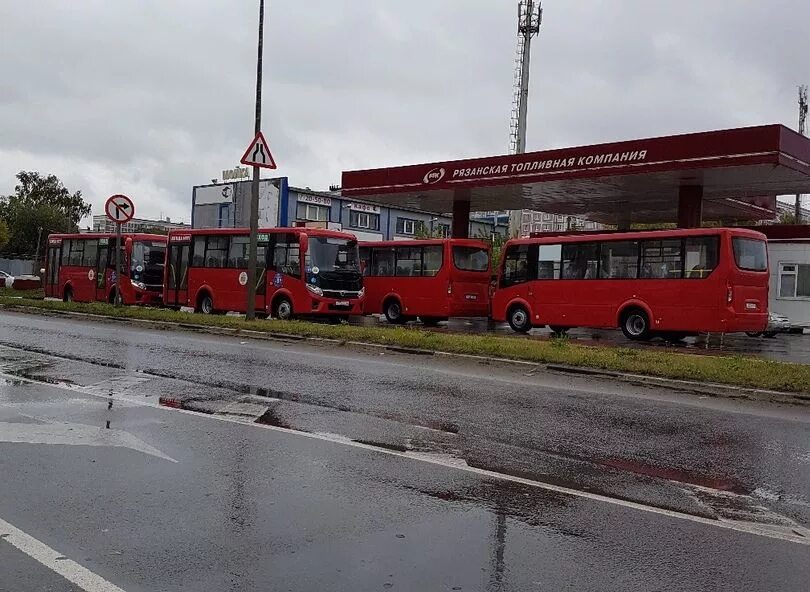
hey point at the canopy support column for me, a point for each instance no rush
(690, 206)
(461, 214)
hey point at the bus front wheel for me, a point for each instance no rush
(393, 312)
(282, 309)
(636, 324)
(519, 319)
(206, 304)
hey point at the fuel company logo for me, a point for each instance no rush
(434, 176)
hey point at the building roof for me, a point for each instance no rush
(741, 171)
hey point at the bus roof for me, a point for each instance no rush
(574, 237)
(92, 235)
(463, 242)
(277, 230)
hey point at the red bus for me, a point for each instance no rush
(429, 279)
(301, 271)
(669, 282)
(81, 267)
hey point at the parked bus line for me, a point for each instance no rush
(81, 267)
(430, 279)
(300, 272)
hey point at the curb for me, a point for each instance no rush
(682, 385)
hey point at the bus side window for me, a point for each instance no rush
(701, 256)
(198, 258)
(383, 262)
(515, 266)
(91, 253)
(365, 261)
(432, 260)
(548, 262)
(66, 252)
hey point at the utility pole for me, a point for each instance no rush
(802, 131)
(254, 194)
(530, 16)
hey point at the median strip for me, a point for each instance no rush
(739, 371)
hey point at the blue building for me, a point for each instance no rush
(221, 205)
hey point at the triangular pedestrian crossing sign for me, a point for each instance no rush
(258, 154)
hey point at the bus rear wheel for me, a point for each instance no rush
(635, 324)
(519, 319)
(393, 312)
(282, 309)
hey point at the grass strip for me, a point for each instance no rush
(737, 370)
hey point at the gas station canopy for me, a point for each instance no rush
(719, 175)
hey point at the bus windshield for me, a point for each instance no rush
(148, 254)
(470, 258)
(332, 254)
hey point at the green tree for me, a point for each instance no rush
(787, 218)
(40, 205)
(3, 234)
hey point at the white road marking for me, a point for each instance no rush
(796, 534)
(54, 560)
(73, 434)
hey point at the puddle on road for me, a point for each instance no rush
(677, 475)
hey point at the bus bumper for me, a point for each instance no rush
(330, 306)
(749, 322)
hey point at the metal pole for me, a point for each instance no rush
(254, 194)
(802, 122)
(117, 265)
(35, 271)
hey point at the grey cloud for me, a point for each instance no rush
(159, 95)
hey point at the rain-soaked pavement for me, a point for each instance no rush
(249, 465)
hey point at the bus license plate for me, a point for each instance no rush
(472, 296)
(342, 303)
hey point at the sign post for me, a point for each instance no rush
(120, 209)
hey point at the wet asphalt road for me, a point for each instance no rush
(326, 468)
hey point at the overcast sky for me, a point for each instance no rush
(151, 97)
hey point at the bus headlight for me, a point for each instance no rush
(139, 285)
(315, 290)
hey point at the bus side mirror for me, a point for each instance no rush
(303, 242)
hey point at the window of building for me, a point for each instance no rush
(537, 216)
(527, 217)
(619, 260)
(224, 219)
(548, 262)
(537, 227)
(701, 256)
(560, 218)
(794, 280)
(408, 226)
(313, 212)
(559, 227)
(547, 217)
(661, 259)
(515, 266)
(443, 230)
(366, 220)
(546, 227)
(580, 261)
(527, 228)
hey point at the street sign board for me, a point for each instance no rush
(258, 154)
(119, 209)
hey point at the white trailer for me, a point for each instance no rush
(789, 293)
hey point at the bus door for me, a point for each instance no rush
(52, 263)
(284, 265)
(102, 265)
(261, 272)
(177, 274)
